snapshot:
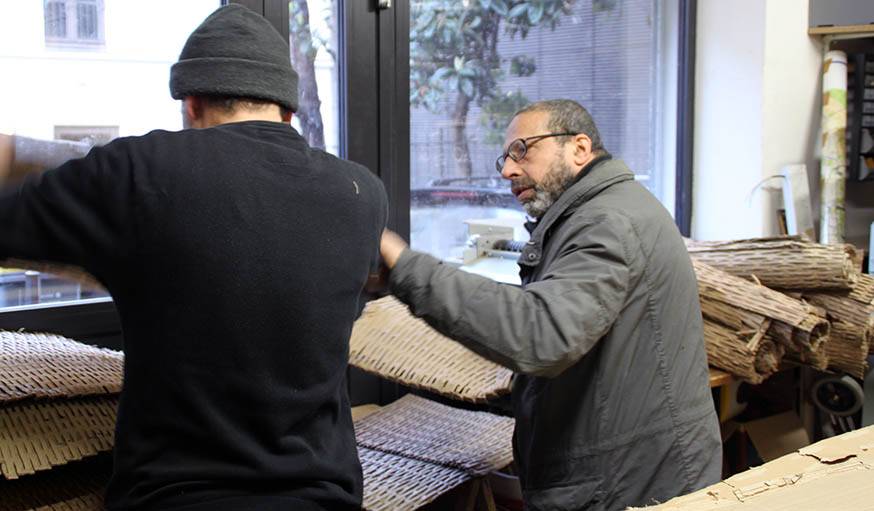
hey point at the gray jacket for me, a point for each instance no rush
(611, 396)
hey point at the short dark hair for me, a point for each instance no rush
(567, 116)
(231, 104)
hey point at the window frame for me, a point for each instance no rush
(98, 135)
(374, 91)
(685, 115)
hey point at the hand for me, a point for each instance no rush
(391, 247)
(377, 283)
(7, 157)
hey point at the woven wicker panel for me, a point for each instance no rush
(78, 486)
(45, 365)
(396, 483)
(39, 435)
(787, 263)
(414, 427)
(799, 327)
(389, 341)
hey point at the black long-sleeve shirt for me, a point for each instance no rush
(236, 257)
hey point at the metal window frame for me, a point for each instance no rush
(685, 115)
(374, 94)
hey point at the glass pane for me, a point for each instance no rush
(56, 19)
(86, 20)
(473, 64)
(87, 94)
(313, 40)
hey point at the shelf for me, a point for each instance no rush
(844, 29)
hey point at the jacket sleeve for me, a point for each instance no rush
(541, 329)
(73, 214)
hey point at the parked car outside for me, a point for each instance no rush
(439, 209)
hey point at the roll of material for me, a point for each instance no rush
(47, 154)
(833, 170)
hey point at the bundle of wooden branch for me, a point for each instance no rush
(748, 326)
(827, 277)
(851, 314)
(782, 263)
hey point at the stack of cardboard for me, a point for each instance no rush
(809, 281)
(418, 449)
(58, 402)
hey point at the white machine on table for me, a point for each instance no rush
(493, 249)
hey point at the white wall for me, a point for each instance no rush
(728, 118)
(792, 100)
(123, 82)
(756, 109)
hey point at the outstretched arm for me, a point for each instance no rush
(20, 156)
(541, 329)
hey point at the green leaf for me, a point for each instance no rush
(476, 22)
(467, 87)
(518, 10)
(426, 18)
(500, 7)
(442, 73)
(452, 82)
(467, 72)
(535, 13)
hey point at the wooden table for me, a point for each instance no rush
(718, 378)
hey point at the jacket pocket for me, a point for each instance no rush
(584, 494)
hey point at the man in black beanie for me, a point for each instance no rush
(236, 256)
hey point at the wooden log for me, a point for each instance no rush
(784, 262)
(740, 304)
(852, 318)
(749, 354)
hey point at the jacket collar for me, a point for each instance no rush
(596, 177)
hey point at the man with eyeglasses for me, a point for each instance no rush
(611, 393)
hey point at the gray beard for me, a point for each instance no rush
(558, 178)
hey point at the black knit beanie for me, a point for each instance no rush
(235, 52)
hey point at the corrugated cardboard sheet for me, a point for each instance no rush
(36, 365)
(834, 474)
(39, 435)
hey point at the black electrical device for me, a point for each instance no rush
(860, 116)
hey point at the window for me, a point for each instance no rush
(314, 55)
(91, 99)
(77, 22)
(90, 135)
(86, 99)
(473, 64)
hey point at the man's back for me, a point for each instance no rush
(236, 257)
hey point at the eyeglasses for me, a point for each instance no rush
(519, 148)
